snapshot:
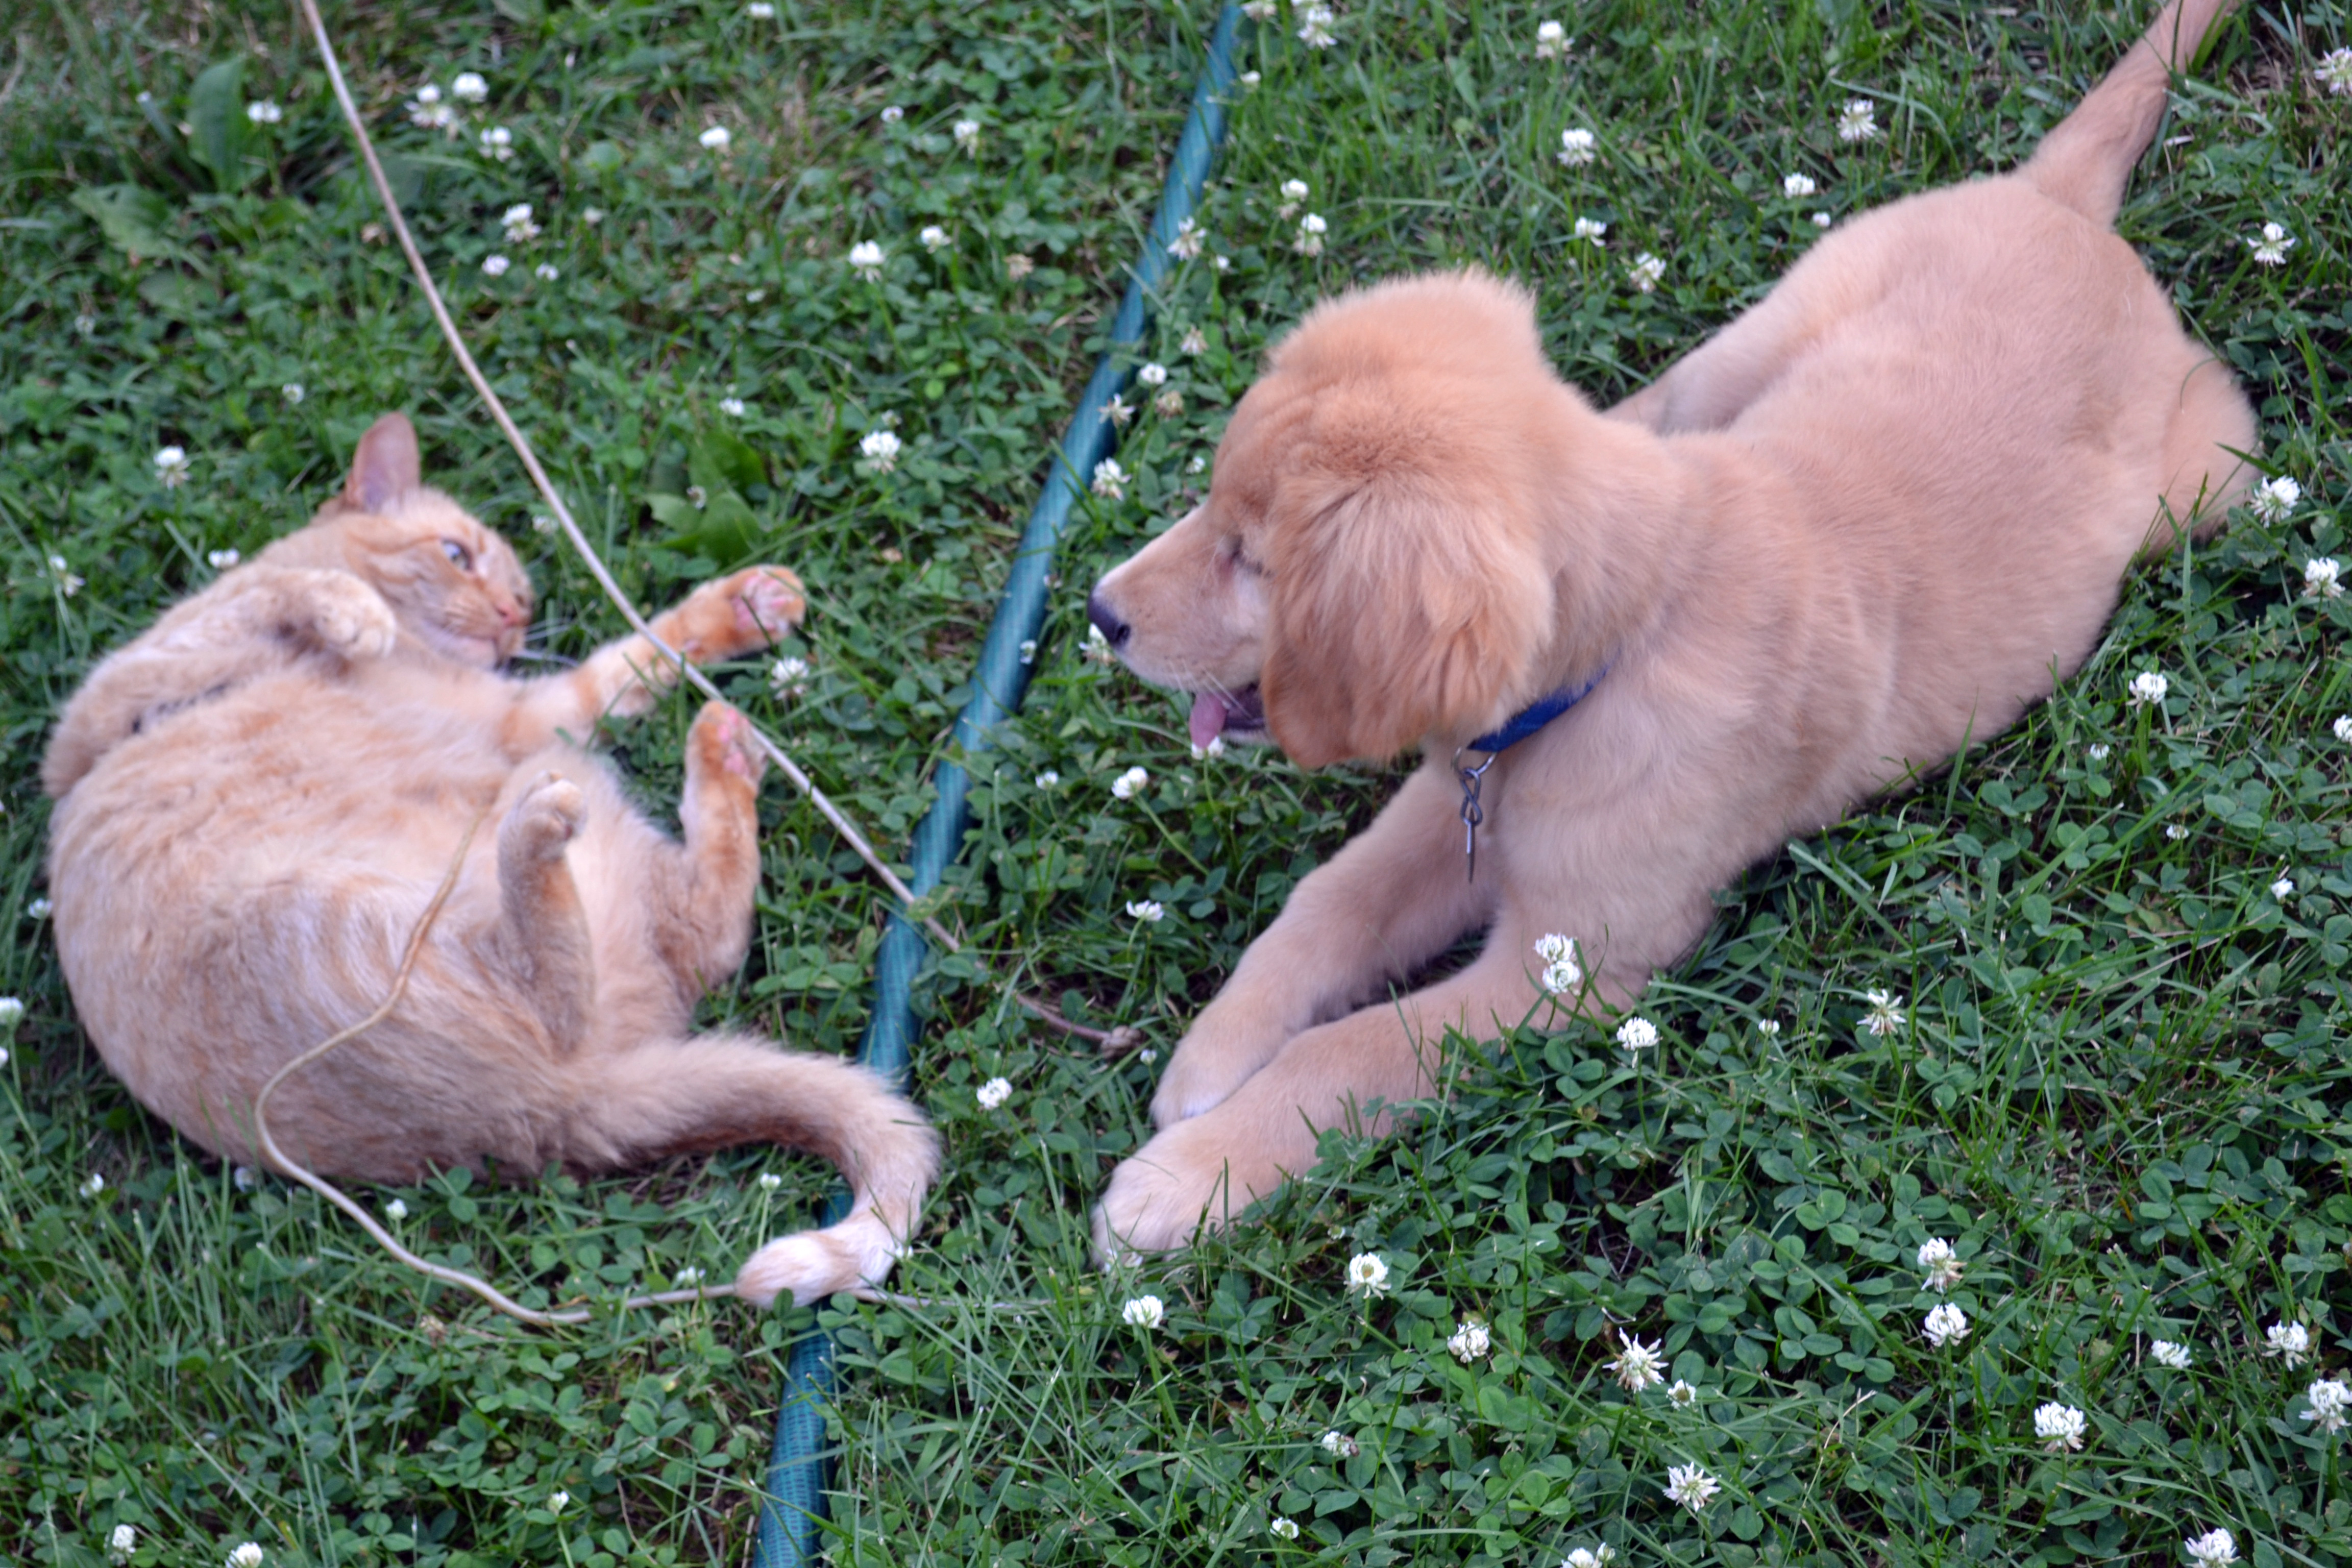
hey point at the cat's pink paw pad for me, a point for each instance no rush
(729, 744)
(767, 603)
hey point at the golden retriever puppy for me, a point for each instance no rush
(1868, 521)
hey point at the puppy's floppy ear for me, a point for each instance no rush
(1407, 595)
(387, 466)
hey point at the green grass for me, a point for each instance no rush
(2121, 1087)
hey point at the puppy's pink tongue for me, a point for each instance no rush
(1208, 717)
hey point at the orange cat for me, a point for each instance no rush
(256, 799)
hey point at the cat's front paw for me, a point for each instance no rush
(739, 614)
(723, 740)
(351, 619)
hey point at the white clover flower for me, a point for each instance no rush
(122, 1543)
(1293, 194)
(967, 136)
(1368, 1275)
(1858, 121)
(1552, 42)
(881, 449)
(12, 1012)
(1315, 26)
(263, 111)
(1637, 1033)
(761, 11)
(542, 523)
(1795, 186)
(1195, 342)
(2060, 1427)
(1470, 1340)
(1214, 749)
(292, 392)
(769, 1181)
(1593, 229)
(715, 139)
(789, 677)
(1049, 779)
(1189, 238)
(1311, 230)
(2148, 687)
(1288, 1529)
(1768, 1027)
(1821, 220)
(1578, 147)
(1691, 1487)
(244, 1178)
(1153, 374)
(2334, 71)
(1199, 465)
(2217, 1547)
(92, 1186)
(1146, 910)
(1110, 479)
(1942, 1262)
(2323, 578)
(1119, 411)
(2174, 830)
(427, 113)
(247, 1554)
(933, 238)
(1681, 1394)
(689, 1275)
(1646, 271)
(395, 1211)
(1028, 650)
(2328, 1399)
(84, 323)
(1590, 1557)
(593, 217)
(1249, 79)
(1338, 1445)
(556, 1500)
(517, 222)
(2342, 727)
(867, 258)
(1946, 1325)
(2168, 1353)
(1143, 1312)
(70, 582)
(2289, 1341)
(1017, 266)
(1130, 784)
(2273, 499)
(498, 143)
(2283, 890)
(1168, 404)
(469, 87)
(40, 909)
(222, 560)
(496, 266)
(732, 407)
(1097, 649)
(2271, 245)
(1561, 972)
(1637, 1366)
(1886, 1014)
(994, 1093)
(2099, 754)
(171, 465)
(893, 114)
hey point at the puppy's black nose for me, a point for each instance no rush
(1098, 611)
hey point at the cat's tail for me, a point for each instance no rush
(715, 1091)
(2087, 157)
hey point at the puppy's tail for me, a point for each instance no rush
(715, 1091)
(2088, 156)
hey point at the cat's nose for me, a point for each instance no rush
(512, 613)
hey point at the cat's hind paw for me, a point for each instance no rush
(546, 819)
(724, 739)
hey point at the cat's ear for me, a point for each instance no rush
(386, 467)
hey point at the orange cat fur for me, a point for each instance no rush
(257, 798)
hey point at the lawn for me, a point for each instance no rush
(2116, 936)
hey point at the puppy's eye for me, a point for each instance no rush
(459, 556)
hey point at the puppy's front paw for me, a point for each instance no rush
(1221, 1051)
(1194, 1177)
(351, 619)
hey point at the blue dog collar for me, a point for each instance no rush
(1495, 742)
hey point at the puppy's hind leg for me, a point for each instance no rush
(2203, 478)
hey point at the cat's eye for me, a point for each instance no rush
(458, 555)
